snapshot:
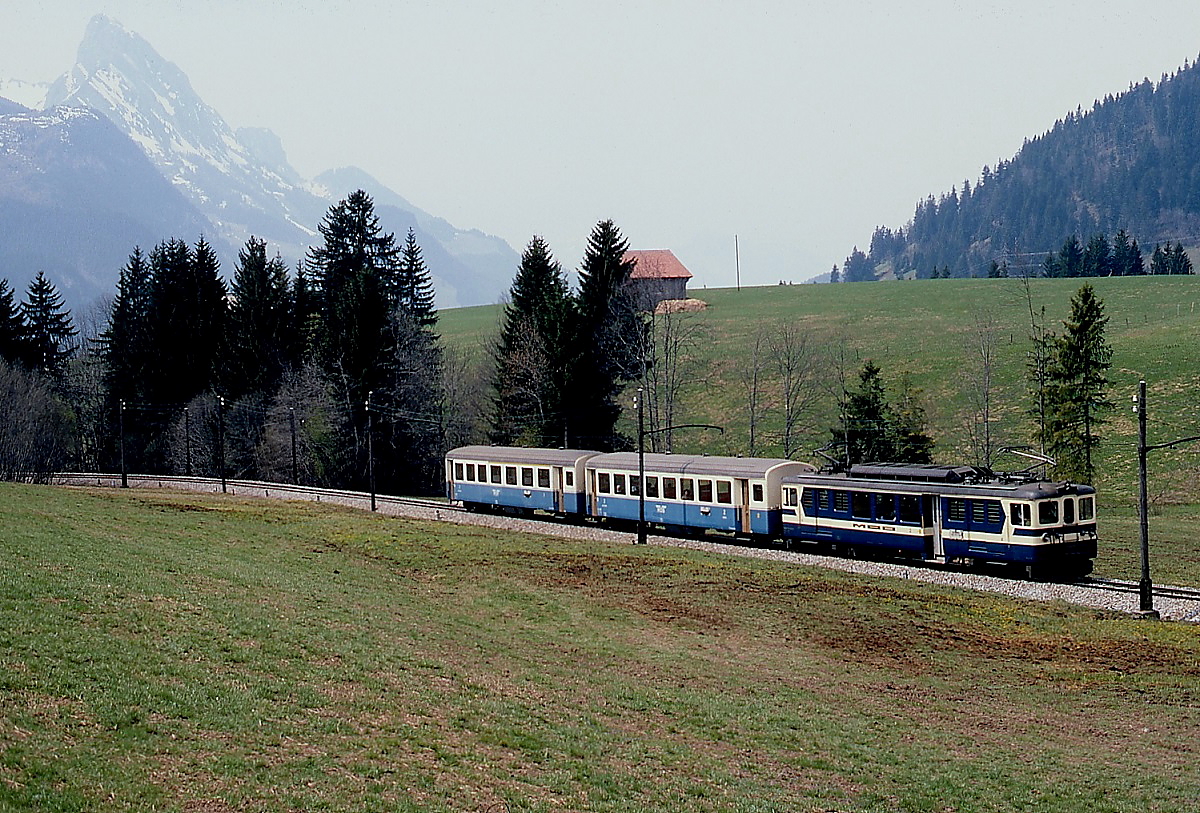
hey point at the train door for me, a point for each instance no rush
(931, 518)
(743, 503)
(556, 483)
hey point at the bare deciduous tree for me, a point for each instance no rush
(980, 365)
(671, 339)
(792, 355)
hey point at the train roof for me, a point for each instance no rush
(1030, 490)
(520, 455)
(696, 464)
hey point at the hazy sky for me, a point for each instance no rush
(797, 126)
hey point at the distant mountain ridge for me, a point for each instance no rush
(241, 181)
(1130, 162)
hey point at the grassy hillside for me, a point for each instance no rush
(194, 653)
(926, 330)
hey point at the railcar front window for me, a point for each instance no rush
(1068, 512)
(725, 492)
(1087, 509)
(1048, 512)
(885, 507)
(1019, 514)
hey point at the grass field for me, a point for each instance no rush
(926, 330)
(191, 653)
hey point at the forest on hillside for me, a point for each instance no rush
(1131, 163)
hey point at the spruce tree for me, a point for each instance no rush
(529, 379)
(49, 333)
(607, 343)
(875, 431)
(355, 280)
(12, 326)
(1078, 388)
(261, 326)
(415, 294)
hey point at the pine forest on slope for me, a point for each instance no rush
(1131, 162)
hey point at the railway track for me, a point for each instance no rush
(1173, 603)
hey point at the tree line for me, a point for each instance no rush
(283, 376)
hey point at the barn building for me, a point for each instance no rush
(658, 275)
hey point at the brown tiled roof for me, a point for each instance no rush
(657, 263)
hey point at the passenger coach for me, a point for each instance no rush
(525, 480)
(685, 492)
(946, 514)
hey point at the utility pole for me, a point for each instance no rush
(641, 410)
(295, 467)
(221, 441)
(187, 442)
(370, 449)
(121, 429)
(1145, 586)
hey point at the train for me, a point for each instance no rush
(934, 514)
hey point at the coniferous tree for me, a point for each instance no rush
(1160, 260)
(12, 326)
(1097, 257)
(607, 343)
(261, 325)
(529, 379)
(415, 294)
(49, 333)
(355, 279)
(874, 431)
(1078, 388)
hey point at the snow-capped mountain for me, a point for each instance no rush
(241, 180)
(76, 196)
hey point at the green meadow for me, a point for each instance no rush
(172, 652)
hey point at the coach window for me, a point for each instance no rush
(757, 490)
(910, 509)
(1048, 512)
(471, 472)
(602, 483)
(510, 475)
(1087, 509)
(885, 507)
(651, 486)
(543, 478)
(633, 485)
(618, 484)
(1068, 512)
(706, 490)
(458, 471)
(860, 505)
(496, 476)
(669, 491)
(526, 476)
(570, 477)
(725, 492)
(687, 488)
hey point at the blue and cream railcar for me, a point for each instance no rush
(527, 480)
(691, 492)
(939, 514)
